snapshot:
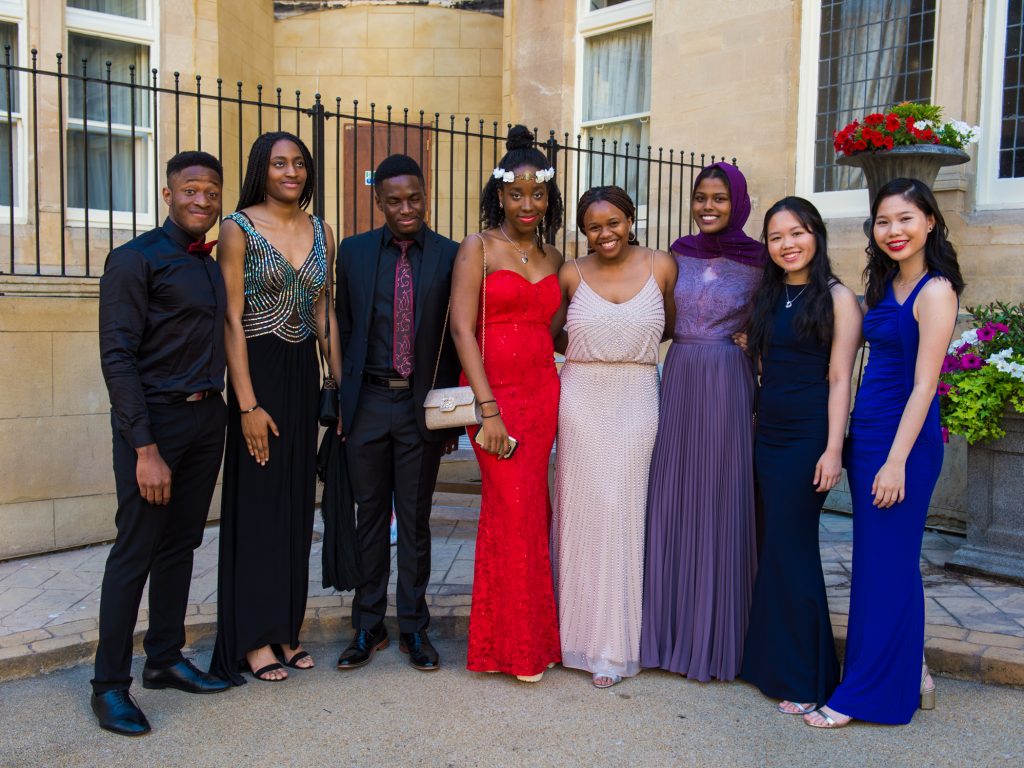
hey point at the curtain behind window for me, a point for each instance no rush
(8, 36)
(133, 9)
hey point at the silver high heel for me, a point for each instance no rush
(927, 694)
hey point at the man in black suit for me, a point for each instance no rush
(162, 353)
(393, 289)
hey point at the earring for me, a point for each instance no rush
(502, 205)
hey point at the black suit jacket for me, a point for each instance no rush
(356, 277)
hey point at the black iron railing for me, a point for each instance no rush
(82, 169)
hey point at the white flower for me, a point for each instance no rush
(545, 175)
(1003, 362)
(508, 177)
(498, 173)
(967, 337)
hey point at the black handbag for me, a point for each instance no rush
(329, 390)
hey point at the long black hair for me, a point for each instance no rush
(939, 253)
(814, 314)
(521, 151)
(254, 187)
(612, 195)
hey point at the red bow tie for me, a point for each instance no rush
(201, 247)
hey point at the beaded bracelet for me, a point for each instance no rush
(250, 410)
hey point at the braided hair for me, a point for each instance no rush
(612, 195)
(254, 187)
(521, 152)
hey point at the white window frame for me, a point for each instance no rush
(994, 193)
(589, 24)
(140, 32)
(832, 205)
(13, 12)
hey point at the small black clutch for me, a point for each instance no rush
(329, 402)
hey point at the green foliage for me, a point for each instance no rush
(975, 405)
(930, 112)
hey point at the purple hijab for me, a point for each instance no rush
(731, 242)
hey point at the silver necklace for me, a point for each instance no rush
(789, 301)
(522, 252)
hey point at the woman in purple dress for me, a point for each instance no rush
(700, 553)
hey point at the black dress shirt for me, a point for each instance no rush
(161, 326)
(379, 352)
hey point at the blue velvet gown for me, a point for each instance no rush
(885, 639)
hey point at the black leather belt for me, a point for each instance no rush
(384, 381)
(197, 396)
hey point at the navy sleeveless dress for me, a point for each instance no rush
(885, 639)
(789, 652)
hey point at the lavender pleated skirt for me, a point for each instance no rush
(700, 552)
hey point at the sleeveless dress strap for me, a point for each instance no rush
(909, 301)
(578, 271)
(652, 263)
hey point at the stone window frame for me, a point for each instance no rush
(14, 12)
(993, 192)
(592, 23)
(837, 204)
(123, 29)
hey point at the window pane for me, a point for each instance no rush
(880, 53)
(617, 73)
(1011, 143)
(101, 156)
(97, 52)
(133, 9)
(616, 163)
(5, 163)
(596, 5)
(9, 36)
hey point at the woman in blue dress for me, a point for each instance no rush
(894, 455)
(804, 333)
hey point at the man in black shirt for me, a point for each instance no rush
(162, 352)
(394, 284)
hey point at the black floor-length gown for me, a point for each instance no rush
(789, 651)
(266, 524)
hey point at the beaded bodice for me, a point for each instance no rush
(280, 299)
(713, 295)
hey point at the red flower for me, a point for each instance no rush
(910, 124)
(888, 142)
(875, 118)
(860, 146)
(892, 122)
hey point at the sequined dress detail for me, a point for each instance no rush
(513, 624)
(607, 422)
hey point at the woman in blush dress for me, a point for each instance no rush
(504, 298)
(804, 333)
(618, 299)
(276, 259)
(700, 554)
(894, 455)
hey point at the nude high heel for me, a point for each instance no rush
(927, 694)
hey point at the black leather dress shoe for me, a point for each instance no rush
(422, 655)
(118, 712)
(185, 677)
(360, 651)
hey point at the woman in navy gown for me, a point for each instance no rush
(804, 332)
(894, 455)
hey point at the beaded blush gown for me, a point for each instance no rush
(513, 625)
(607, 420)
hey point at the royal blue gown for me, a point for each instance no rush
(885, 639)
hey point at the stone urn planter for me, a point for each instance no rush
(917, 161)
(995, 506)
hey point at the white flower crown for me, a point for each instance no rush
(508, 177)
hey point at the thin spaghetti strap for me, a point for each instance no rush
(652, 262)
(578, 271)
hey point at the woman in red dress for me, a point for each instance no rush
(501, 319)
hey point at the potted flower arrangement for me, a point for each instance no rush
(981, 390)
(909, 139)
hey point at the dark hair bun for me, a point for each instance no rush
(519, 137)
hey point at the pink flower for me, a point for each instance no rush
(943, 389)
(971, 362)
(945, 434)
(962, 348)
(986, 333)
(1001, 327)
(950, 363)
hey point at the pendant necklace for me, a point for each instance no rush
(789, 301)
(522, 252)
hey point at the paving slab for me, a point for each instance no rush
(49, 604)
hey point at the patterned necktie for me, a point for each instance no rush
(402, 353)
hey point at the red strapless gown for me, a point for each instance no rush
(513, 624)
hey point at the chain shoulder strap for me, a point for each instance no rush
(483, 324)
(328, 291)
